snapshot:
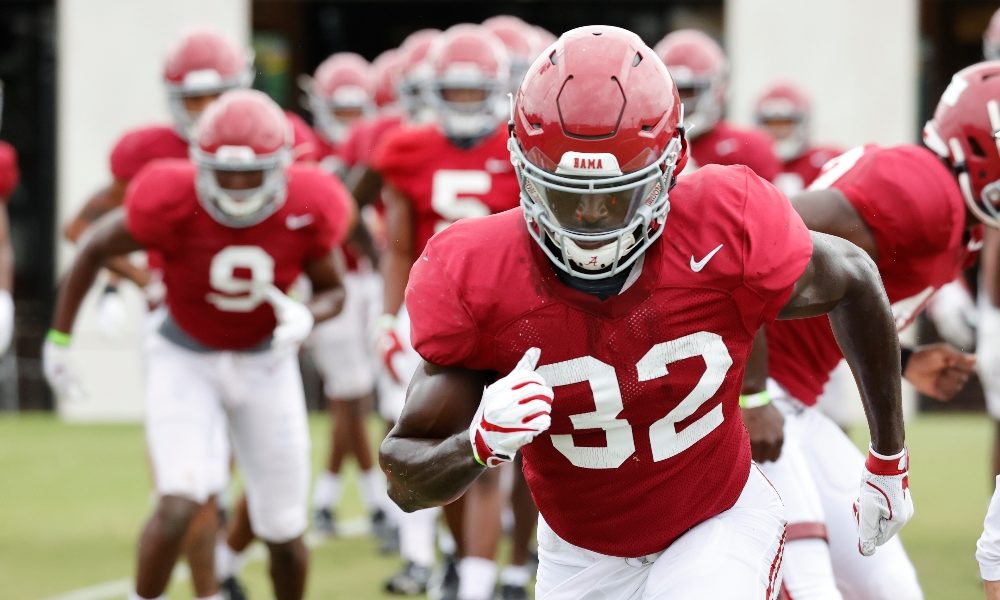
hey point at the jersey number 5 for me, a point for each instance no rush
(449, 197)
(664, 438)
(240, 294)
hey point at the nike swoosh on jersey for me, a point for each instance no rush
(294, 222)
(698, 265)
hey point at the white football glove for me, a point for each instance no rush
(953, 312)
(513, 411)
(112, 315)
(295, 321)
(58, 370)
(389, 347)
(884, 505)
(988, 346)
(6, 320)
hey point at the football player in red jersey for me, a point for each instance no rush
(340, 93)
(701, 72)
(235, 228)
(10, 176)
(784, 112)
(436, 174)
(950, 186)
(611, 340)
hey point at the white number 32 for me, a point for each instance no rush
(664, 439)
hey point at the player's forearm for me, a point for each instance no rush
(755, 374)
(866, 332)
(74, 288)
(395, 272)
(422, 473)
(123, 267)
(327, 303)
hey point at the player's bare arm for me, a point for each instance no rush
(326, 276)
(828, 211)
(842, 280)
(107, 238)
(937, 370)
(100, 203)
(6, 254)
(399, 255)
(364, 184)
(426, 456)
(763, 420)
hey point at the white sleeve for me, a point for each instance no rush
(988, 546)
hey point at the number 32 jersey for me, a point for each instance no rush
(214, 273)
(646, 438)
(443, 182)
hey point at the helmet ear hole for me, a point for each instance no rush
(975, 148)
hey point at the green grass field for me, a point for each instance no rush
(73, 497)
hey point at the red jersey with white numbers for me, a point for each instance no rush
(215, 274)
(443, 182)
(798, 173)
(10, 174)
(729, 145)
(646, 438)
(914, 208)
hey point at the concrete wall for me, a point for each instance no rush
(857, 59)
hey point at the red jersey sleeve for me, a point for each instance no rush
(305, 147)
(332, 206)
(10, 175)
(442, 328)
(157, 200)
(777, 247)
(760, 156)
(139, 147)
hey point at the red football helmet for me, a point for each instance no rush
(415, 73)
(202, 62)
(385, 76)
(700, 70)
(521, 40)
(596, 139)
(339, 94)
(991, 38)
(965, 132)
(783, 111)
(468, 83)
(245, 132)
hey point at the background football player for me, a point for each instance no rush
(10, 176)
(784, 111)
(701, 71)
(434, 175)
(949, 184)
(608, 338)
(235, 228)
(340, 94)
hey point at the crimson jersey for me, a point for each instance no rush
(725, 144)
(10, 174)
(212, 272)
(365, 136)
(305, 146)
(445, 183)
(139, 147)
(798, 173)
(914, 208)
(646, 438)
